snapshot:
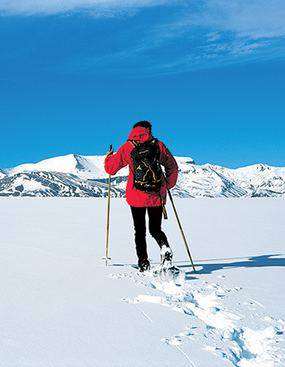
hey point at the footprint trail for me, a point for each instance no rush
(222, 321)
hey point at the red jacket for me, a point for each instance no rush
(122, 158)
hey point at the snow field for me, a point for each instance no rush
(219, 329)
(61, 306)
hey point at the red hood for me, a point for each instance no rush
(140, 134)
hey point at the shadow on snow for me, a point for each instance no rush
(250, 262)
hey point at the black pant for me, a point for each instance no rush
(154, 225)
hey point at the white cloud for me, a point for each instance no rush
(194, 34)
(97, 7)
(220, 32)
(255, 18)
(213, 36)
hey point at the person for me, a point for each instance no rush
(146, 186)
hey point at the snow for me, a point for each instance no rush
(61, 306)
(28, 185)
(82, 166)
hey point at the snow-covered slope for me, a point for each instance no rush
(215, 181)
(81, 166)
(75, 175)
(62, 307)
(44, 183)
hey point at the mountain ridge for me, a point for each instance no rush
(78, 175)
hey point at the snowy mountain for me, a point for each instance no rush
(75, 175)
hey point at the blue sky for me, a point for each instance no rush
(76, 74)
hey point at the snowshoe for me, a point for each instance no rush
(144, 266)
(168, 273)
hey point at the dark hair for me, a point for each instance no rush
(143, 123)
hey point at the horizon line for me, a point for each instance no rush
(176, 156)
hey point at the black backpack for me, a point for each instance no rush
(147, 170)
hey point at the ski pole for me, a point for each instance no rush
(180, 227)
(108, 218)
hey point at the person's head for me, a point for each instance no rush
(143, 123)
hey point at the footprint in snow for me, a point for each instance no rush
(224, 331)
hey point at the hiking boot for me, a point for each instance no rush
(144, 265)
(166, 255)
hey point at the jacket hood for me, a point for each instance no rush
(140, 134)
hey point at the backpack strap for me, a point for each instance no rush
(133, 142)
